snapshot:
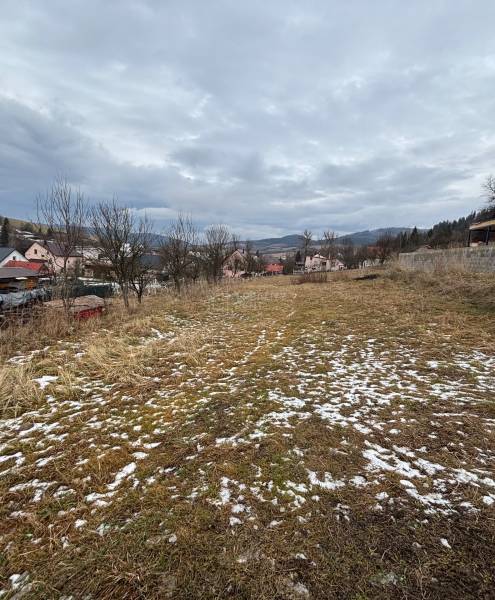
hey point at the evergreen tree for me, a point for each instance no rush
(442, 235)
(5, 233)
(414, 238)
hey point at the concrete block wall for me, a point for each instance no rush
(479, 259)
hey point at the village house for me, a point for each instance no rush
(235, 265)
(93, 265)
(52, 254)
(96, 267)
(274, 269)
(88, 252)
(7, 254)
(318, 262)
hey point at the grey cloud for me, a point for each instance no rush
(267, 116)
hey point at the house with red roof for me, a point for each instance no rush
(8, 254)
(274, 269)
(38, 267)
(54, 256)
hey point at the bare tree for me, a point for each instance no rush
(350, 255)
(143, 264)
(215, 250)
(236, 263)
(306, 239)
(385, 247)
(179, 251)
(370, 253)
(260, 262)
(235, 242)
(329, 246)
(362, 255)
(122, 241)
(63, 211)
(289, 263)
(142, 276)
(489, 189)
(251, 259)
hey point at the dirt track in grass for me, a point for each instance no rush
(265, 440)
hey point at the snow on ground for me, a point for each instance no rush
(398, 422)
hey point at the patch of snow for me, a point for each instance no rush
(327, 483)
(80, 523)
(121, 475)
(44, 381)
(139, 455)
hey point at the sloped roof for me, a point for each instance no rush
(236, 254)
(318, 255)
(4, 252)
(482, 225)
(15, 272)
(56, 249)
(31, 265)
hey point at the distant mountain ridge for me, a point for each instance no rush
(287, 243)
(277, 245)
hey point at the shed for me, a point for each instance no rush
(482, 233)
(14, 279)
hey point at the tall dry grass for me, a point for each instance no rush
(39, 327)
(115, 359)
(315, 277)
(115, 345)
(18, 390)
(29, 330)
(451, 281)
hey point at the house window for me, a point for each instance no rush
(35, 251)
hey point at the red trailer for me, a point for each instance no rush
(84, 307)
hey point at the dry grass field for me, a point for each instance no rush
(261, 440)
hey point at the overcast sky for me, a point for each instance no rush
(270, 116)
